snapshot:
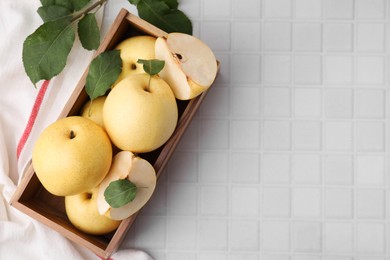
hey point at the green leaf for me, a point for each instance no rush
(53, 12)
(159, 14)
(65, 3)
(173, 4)
(79, 4)
(152, 67)
(120, 192)
(89, 32)
(103, 72)
(46, 50)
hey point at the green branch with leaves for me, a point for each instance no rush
(46, 50)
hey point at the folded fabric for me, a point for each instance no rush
(25, 112)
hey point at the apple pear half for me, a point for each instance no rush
(132, 49)
(140, 172)
(190, 65)
(82, 212)
(139, 117)
(71, 156)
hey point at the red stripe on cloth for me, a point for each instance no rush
(33, 116)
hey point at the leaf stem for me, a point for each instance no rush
(97, 4)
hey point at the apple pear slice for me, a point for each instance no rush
(138, 171)
(190, 65)
(120, 169)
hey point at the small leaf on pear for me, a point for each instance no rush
(103, 72)
(120, 192)
(152, 67)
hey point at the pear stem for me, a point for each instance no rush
(150, 79)
(72, 135)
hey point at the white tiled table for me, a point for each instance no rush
(288, 157)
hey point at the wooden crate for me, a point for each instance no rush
(32, 198)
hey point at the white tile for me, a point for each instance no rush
(338, 103)
(250, 73)
(370, 136)
(215, 134)
(150, 232)
(308, 9)
(338, 37)
(370, 103)
(213, 200)
(307, 69)
(204, 255)
(183, 167)
(245, 101)
(307, 102)
(246, 36)
(190, 138)
(275, 168)
(370, 70)
(370, 238)
(339, 9)
(276, 135)
(339, 238)
(306, 202)
(216, 8)
(275, 236)
(306, 135)
(276, 102)
(182, 199)
(338, 69)
(224, 75)
(370, 203)
(371, 9)
(338, 136)
(276, 36)
(245, 167)
(213, 234)
(216, 103)
(246, 9)
(370, 169)
(271, 256)
(245, 201)
(370, 37)
(338, 169)
(245, 134)
(209, 32)
(213, 167)
(306, 168)
(306, 257)
(181, 233)
(307, 236)
(307, 37)
(276, 202)
(244, 235)
(277, 8)
(243, 256)
(277, 69)
(338, 203)
(172, 255)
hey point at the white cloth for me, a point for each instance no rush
(22, 237)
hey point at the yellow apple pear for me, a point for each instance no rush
(94, 110)
(132, 49)
(71, 156)
(140, 113)
(82, 212)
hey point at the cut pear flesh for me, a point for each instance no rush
(138, 171)
(190, 65)
(143, 175)
(120, 169)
